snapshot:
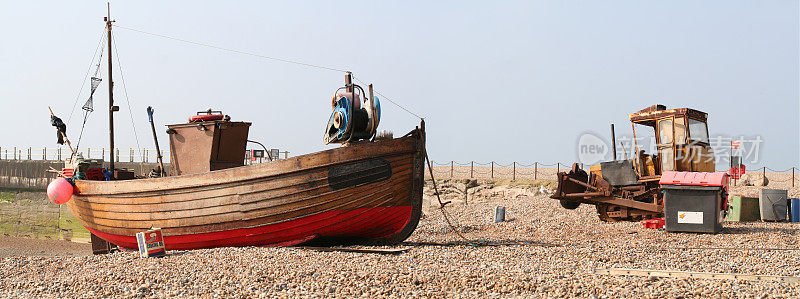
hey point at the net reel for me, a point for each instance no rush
(349, 121)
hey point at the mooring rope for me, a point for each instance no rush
(442, 208)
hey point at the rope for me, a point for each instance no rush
(390, 100)
(127, 100)
(441, 206)
(86, 113)
(91, 63)
(234, 51)
(270, 58)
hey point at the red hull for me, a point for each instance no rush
(365, 223)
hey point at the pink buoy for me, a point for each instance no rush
(59, 191)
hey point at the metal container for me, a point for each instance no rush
(499, 214)
(151, 243)
(205, 146)
(773, 204)
(743, 209)
(795, 209)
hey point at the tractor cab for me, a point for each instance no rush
(681, 137)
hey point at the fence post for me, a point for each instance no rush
(116, 158)
(492, 176)
(764, 174)
(535, 170)
(131, 156)
(29, 153)
(44, 154)
(59, 154)
(558, 167)
(514, 172)
(451, 169)
(471, 167)
(103, 153)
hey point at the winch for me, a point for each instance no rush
(349, 121)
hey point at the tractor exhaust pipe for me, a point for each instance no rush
(613, 143)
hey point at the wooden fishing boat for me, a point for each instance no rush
(365, 192)
(369, 190)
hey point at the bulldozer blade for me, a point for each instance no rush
(567, 186)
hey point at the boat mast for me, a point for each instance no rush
(111, 107)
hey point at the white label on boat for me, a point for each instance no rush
(690, 217)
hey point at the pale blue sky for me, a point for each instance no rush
(497, 80)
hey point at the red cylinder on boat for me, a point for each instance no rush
(60, 191)
(206, 117)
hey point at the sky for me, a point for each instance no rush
(495, 80)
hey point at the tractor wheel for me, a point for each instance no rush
(569, 205)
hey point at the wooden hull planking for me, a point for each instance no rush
(369, 191)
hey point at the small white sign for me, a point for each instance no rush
(690, 217)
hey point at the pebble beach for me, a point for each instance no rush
(542, 251)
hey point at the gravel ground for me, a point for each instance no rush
(438, 265)
(11, 246)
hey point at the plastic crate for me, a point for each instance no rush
(654, 223)
(68, 172)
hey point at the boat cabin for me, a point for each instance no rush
(209, 141)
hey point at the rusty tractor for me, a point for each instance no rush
(628, 190)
